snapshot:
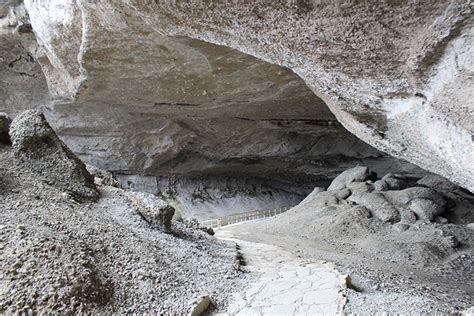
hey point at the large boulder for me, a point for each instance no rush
(40, 149)
(5, 122)
(153, 209)
(356, 174)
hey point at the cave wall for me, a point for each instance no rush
(140, 87)
(396, 74)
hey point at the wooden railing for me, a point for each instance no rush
(242, 217)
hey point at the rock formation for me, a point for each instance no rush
(386, 70)
(40, 149)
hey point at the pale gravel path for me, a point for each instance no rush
(287, 285)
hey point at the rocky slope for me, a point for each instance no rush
(62, 257)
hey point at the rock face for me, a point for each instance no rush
(36, 144)
(394, 74)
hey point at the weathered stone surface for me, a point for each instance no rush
(426, 210)
(356, 174)
(380, 207)
(38, 146)
(389, 90)
(153, 209)
(394, 182)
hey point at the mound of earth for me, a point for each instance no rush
(407, 243)
(59, 256)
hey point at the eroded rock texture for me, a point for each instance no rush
(139, 88)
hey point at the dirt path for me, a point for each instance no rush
(288, 285)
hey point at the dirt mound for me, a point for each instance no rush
(40, 149)
(62, 257)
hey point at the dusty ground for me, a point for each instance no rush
(391, 271)
(61, 257)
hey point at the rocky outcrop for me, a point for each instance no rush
(38, 147)
(394, 74)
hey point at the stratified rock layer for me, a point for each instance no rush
(397, 75)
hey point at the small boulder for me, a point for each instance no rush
(102, 177)
(437, 182)
(401, 227)
(378, 205)
(426, 209)
(441, 220)
(200, 305)
(36, 144)
(360, 187)
(5, 122)
(408, 217)
(394, 182)
(153, 209)
(381, 185)
(356, 174)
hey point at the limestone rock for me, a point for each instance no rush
(410, 96)
(437, 182)
(426, 209)
(38, 146)
(200, 306)
(381, 185)
(5, 122)
(356, 174)
(394, 182)
(380, 207)
(153, 209)
(360, 187)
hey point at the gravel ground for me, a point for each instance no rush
(61, 257)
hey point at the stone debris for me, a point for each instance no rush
(60, 257)
(38, 147)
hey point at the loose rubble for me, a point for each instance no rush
(59, 256)
(36, 144)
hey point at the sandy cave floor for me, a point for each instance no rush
(376, 285)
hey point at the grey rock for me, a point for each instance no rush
(426, 209)
(380, 207)
(5, 122)
(360, 187)
(153, 209)
(401, 227)
(437, 182)
(408, 216)
(404, 197)
(394, 182)
(451, 241)
(356, 174)
(40, 149)
(441, 220)
(381, 185)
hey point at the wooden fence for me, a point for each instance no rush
(242, 217)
